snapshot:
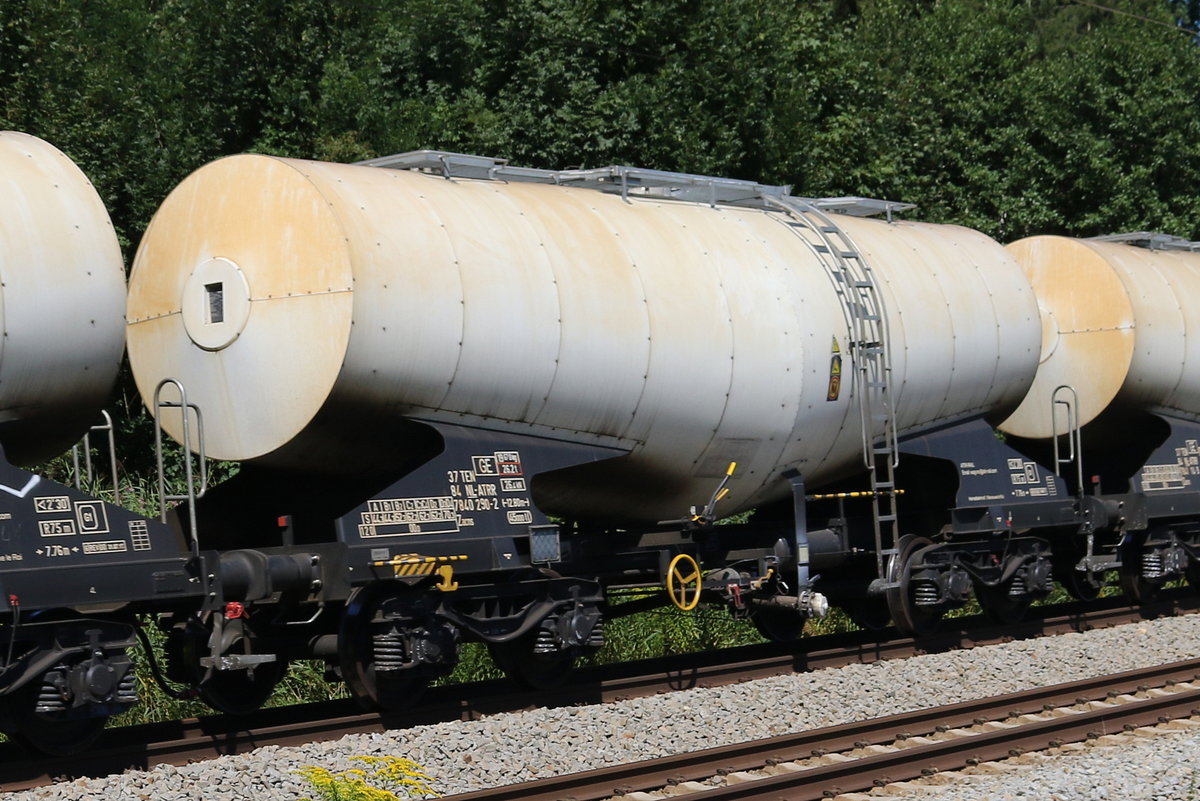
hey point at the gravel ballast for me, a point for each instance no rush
(513, 747)
(1156, 764)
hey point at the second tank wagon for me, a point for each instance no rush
(62, 294)
(1120, 326)
(308, 307)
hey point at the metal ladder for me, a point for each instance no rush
(862, 305)
(87, 474)
(1065, 396)
(193, 492)
(864, 314)
(1066, 399)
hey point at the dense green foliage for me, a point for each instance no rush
(1015, 116)
(1011, 116)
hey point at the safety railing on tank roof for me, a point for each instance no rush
(1150, 240)
(631, 181)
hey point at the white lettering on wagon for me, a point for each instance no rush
(398, 517)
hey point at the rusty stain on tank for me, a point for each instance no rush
(678, 330)
(1116, 321)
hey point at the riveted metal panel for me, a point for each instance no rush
(1162, 287)
(822, 430)
(760, 309)
(691, 334)
(266, 386)
(963, 319)
(510, 309)
(604, 343)
(62, 296)
(1120, 326)
(408, 309)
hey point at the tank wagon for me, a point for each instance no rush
(476, 402)
(1118, 367)
(418, 359)
(67, 560)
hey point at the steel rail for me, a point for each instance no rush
(910, 762)
(177, 742)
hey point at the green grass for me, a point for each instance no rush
(646, 635)
(662, 632)
(658, 633)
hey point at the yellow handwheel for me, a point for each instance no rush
(683, 582)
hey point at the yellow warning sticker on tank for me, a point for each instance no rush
(835, 372)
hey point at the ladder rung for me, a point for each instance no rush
(850, 254)
(864, 284)
(830, 229)
(887, 518)
(871, 318)
(820, 248)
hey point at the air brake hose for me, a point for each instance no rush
(186, 694)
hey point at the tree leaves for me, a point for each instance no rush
(1013, 117)
(1010, 116)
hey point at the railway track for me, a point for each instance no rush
(144, 746)
(827, 762)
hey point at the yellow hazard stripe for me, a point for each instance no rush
(423, 569)
(414, 565)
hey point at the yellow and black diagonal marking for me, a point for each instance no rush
(411, 564)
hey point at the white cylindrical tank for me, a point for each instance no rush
(303, 304)
(62, 296)
(1119, 326)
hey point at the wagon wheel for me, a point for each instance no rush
(870, 612)
(390, 691)
(235, 692)
(1079, 584)
(909, 618)
(1001, 607)
(532, 670)
(52, 734)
